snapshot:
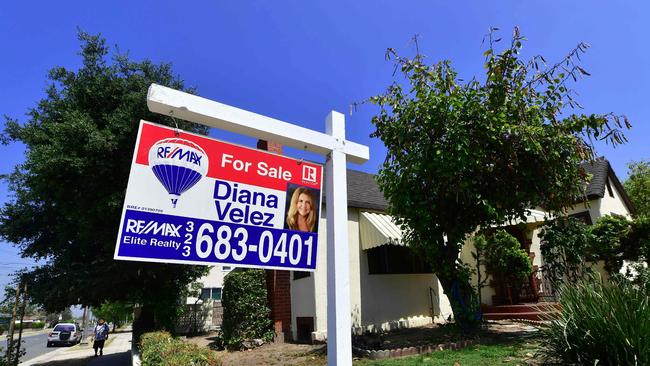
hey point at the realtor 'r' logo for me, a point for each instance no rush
(309, 173)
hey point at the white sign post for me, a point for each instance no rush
(192, 108)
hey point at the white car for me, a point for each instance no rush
(64, 333)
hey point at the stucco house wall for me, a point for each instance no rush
(384, 301)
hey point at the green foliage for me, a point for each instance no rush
(38, 325)
(505, 258)
(480, 243)
(637, 186)
(67, 196)
(636, 245)
(565, 249)
(7, 303)
(246, 313)
(600, 324)
(117, 312)
(468, 154)
(570, 247)
(608, 237)
(160, 349)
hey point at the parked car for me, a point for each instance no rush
(65, 333)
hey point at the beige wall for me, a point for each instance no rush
(607, 205)
(466, 257)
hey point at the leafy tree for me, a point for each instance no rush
(68, 194)
(468, 154)
(637, 186)
(7, 303)
(117, 312)
(570, 247)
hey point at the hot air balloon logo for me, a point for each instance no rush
(178, 164)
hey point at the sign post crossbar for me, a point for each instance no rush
(332, 144)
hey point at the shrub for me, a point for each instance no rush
(565, 249)
(505, 257)
(604, 324)
(246, 313)
(38, 325)
(607, 241)
(160, 349)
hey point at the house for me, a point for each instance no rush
(205, 312)
(390, 287)
(605, 195)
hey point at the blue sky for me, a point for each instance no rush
(297, 60)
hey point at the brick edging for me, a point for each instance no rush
(411, 351)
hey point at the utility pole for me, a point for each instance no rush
(20, 331)
(12, 325)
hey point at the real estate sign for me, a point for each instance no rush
(196, 200)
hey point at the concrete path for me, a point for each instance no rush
(117, 352)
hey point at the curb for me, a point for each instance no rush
(411, 351)
(135, 352)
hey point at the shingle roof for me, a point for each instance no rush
(598, 169)
(363, 191)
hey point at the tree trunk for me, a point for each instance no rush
(145, 321)
(462, 297)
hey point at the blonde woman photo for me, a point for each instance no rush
(302, 215)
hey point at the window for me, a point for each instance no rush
(583, 216)
(213, 293)
(393, 259)
(226, 268)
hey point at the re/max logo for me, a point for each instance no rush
(166, 152)
(152, 227)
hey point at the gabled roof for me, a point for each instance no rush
(363, 191)
(600, 171)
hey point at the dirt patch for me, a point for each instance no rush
(503, 332)
(269, 354)
(493, 332)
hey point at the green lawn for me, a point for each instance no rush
(496, 354)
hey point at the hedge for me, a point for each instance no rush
(161, 349)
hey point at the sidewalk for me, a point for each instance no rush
(117, 352)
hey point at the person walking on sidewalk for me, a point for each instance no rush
(100, 335)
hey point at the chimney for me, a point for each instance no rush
(270, 146)
(278, 282)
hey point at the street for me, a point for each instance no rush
(36, 344)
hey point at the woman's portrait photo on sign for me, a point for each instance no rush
(302, 208)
